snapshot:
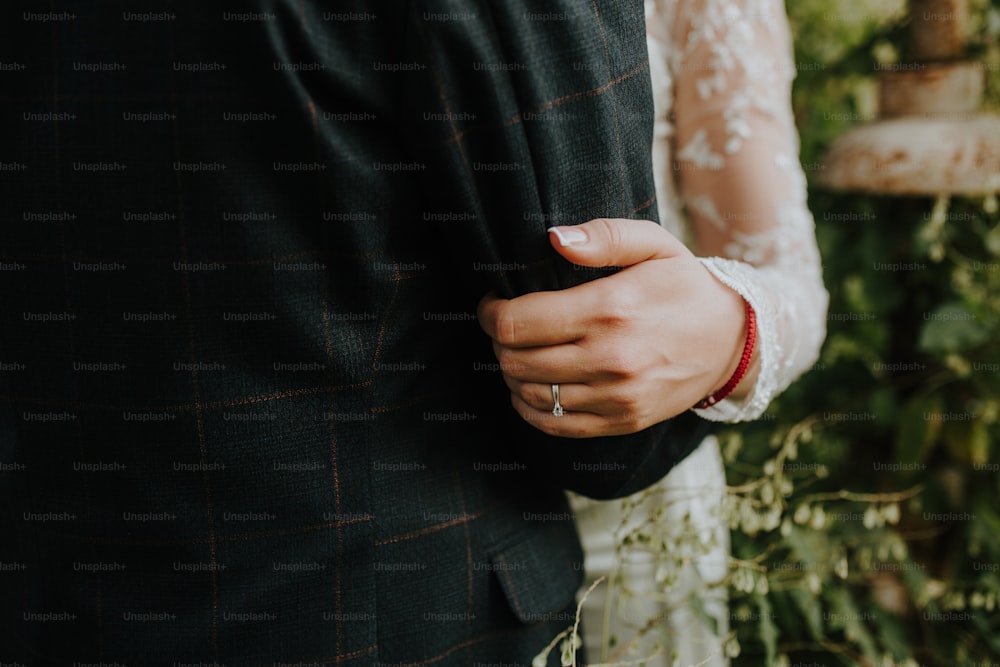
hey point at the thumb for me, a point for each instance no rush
(614, 242)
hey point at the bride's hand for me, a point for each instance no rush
(628, 350)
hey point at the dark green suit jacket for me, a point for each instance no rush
(248, 416)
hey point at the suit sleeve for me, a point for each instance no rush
(524, 119)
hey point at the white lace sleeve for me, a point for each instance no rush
(738, 174)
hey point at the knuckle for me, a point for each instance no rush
(617, 314)
(530, 395)
(620, 304)
(629, 401)
(629, 423)
(613, 234)
(509, 364)
(504, 359)
(506, 326)
(624, 364)
(544, 399)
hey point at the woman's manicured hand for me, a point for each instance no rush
(628, 350)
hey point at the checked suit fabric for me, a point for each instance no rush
(248, 417)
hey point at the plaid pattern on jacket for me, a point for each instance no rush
(248, 415)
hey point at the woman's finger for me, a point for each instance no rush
(538, 318)
(573, 397)
(568, 362)
(570, 425)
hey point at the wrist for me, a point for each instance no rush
(744, 367)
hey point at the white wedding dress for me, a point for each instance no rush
(730, 185)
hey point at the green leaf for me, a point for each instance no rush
(811, 609)
(915, 434)
(986, 632)
(786, 616)
(808, 546)
(892, 635)
(979, 443)
(882, 403)
(768, 630)
(968, 441)
(951, 328)
(983, 531)
(854, 628)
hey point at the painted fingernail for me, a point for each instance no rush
(569, 235)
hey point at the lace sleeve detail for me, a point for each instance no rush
(740, 180)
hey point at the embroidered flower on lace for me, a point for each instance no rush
(700, 152)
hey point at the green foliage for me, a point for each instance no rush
(887, 550)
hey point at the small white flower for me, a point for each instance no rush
(802, 514)
(818, 519)
(871, 518)
(891, 513)
(840, 569)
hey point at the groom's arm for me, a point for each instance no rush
(522, 119)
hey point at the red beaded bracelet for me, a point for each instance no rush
(741, 368)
